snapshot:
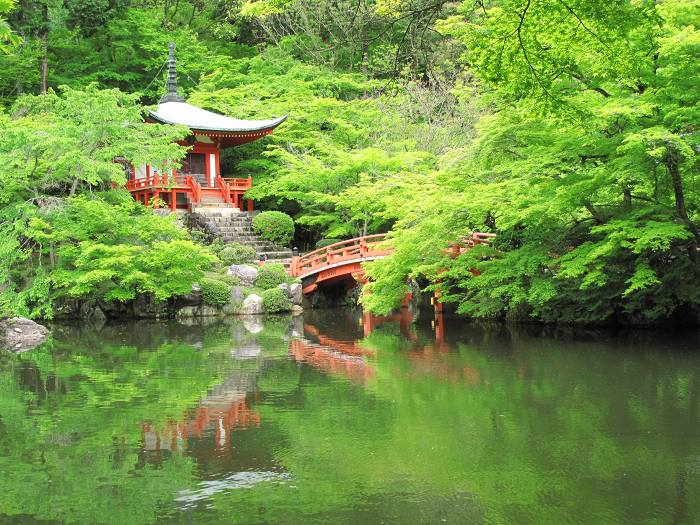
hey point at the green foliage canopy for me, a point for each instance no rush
(587, 168)
(64, 232)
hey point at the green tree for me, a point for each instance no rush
(65, 231)
(587, 168)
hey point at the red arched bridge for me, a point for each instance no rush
(342, 262)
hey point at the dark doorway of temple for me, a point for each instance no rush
(194, 164)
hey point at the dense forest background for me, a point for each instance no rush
(567, 127)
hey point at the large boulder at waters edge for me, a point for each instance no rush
(295, 294)
(247, 274)
(252, 305)
(20, 334)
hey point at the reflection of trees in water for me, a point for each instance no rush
(491, 422)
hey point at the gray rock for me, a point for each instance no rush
(237, 296)
(295, 294)
(21, 334)
(146, 307)
(252, 305)
(194, 298)
(285, 288)
(297, 310)
(186, 312)
(247, 274)
(209, 311)
(92, 311)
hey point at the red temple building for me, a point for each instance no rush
(198, 182)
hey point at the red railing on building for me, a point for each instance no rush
(195, 189)
(239, 183)
(231, 189)
(225, 190)
(157, 181)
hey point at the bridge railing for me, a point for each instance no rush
(467, 243)
(368, 247)
(343, 251)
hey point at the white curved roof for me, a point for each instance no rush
(198, 118)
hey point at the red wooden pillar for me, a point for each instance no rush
(156, 197)
(250, 205)
(436, 301)
(173, 200)
(439, 324)
(295, 263)
(367, 323)
(207, 170)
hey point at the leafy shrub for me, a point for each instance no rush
(326, 242)
(217, 245)
(274, 226)
(275, 300)
(270, 276)
(232, 280)
(215, 292)
(236, 253)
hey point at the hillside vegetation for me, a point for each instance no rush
(567, 127)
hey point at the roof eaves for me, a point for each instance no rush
(274, 123)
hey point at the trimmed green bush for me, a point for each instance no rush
(270, 276)
(215, 292)
(236, 253)
(275, 300)
(274, 226)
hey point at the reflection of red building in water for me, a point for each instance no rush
(222, 411)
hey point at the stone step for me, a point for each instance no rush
(217, 211)
(284, 262)
(226, 228)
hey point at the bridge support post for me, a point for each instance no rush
(295, 262)
(437, 304)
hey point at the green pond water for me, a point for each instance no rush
(335, 417)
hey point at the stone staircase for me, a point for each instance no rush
(211, 200)
(233, 225)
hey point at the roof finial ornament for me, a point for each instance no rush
(171, 95)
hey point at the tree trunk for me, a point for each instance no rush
(627, 198)
(671, 161)
(45, 52)
(73, 187)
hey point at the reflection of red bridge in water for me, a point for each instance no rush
(341, 263)
(226, 406)
(346, 358)
(351, 360)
